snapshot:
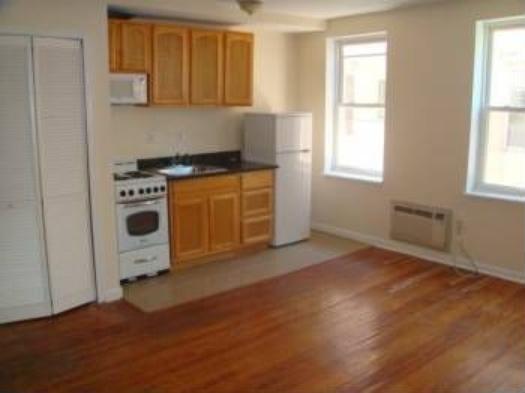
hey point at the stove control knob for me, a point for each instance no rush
(122, 193)
(131, 192)
(162, 188)
(141, 191)
(148, 190)
(155, 189)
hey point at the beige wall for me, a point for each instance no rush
(149, 132)
(87, 20)
(430, 81)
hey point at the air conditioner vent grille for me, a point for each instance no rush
(424, 226)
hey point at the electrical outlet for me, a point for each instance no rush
(150, 137)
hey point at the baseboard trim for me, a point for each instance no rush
(420, 252)
(113, 295)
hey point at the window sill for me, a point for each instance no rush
(495, 196)
(362, 178)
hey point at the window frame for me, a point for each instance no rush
(334, 101)
(481, 109)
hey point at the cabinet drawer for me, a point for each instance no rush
(145, 261)
(257, 179)
(205, 185)
(256, 230)
(257, 202)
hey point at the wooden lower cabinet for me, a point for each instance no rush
(190, 230)
(257, 207)
(256, 203)
(256, 230)
(219, 215)
(224, 222)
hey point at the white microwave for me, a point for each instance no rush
(128, 89)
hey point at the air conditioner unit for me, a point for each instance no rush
(424, 226)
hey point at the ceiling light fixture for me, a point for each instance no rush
(250, 6)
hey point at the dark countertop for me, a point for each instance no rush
(230, 161)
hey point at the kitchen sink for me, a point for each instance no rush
(186, 170)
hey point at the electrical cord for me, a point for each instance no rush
(463, 250)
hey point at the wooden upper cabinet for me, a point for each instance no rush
(206, 76)
(238, 73)
(135, 47)
(114, 45)
(186, 66)
(169, 77)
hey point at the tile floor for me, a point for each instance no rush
(178, 287)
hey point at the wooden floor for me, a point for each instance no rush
(375, 321)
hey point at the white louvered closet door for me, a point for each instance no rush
(24, 291)
(61, 125)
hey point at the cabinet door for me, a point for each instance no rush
(189, 227)
(135, 47)
(238, 73)
(206, 67)
(170, 65)
(224, 221)
(114, 45)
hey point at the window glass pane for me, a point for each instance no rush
(504, 159)
(364, 80)
(516, 131)
(360, 139)
(365, 48)
(507, 72)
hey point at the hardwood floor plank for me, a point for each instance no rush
(373, 321)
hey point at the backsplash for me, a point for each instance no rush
(157, 132)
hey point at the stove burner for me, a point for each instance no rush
(132, 175)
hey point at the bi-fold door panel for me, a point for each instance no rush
(17, 164)
(69, 252)
(61, 119)
(24, 291)
(61, 124)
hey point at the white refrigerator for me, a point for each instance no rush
(284, 139)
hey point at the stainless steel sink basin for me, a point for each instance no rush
(185, 170)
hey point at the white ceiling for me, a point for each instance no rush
(279, 15)
(328, 9)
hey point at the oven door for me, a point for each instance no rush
(142, 224)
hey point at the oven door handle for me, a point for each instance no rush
(145, 260)
(141, 204)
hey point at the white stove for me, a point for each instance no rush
(142, 221)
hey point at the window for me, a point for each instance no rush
(356, 107)
(497, 153)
